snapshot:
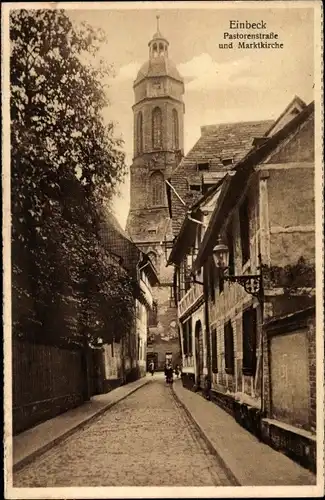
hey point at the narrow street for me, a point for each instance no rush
(145, 440)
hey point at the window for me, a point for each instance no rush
(187, 337)
(244, 230)
(171, 296)
(175, 130)
(226, 162)
(249, 341)
(187, 271)
(156, 128)
(195, 187)
(157, 189)
(139, 133)
(153, 312)
(229, 348)
(176, 285)
(203, 166)
(214, 351)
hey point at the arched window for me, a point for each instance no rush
(157, 188)
(139, 133)
(156, 128)
(155, 50)
(175, 130)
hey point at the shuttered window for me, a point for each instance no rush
(229, 348)
(249, 341)
(187, 337)
(214, 351)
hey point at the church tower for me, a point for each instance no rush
(158, 112)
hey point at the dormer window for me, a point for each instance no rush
(152, 231)
(204, 166)
(226, 162)
(195, 187)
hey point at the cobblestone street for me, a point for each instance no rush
(145, 440)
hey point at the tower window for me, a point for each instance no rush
(161, 48)
(157, 188)
(139, 133)
(154, 49)
(156, 128)
(175, 130)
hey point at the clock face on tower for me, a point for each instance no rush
(156, 88)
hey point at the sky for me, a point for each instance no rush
(221, 85)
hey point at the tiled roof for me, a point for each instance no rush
(217, 143)
(236, 183)
(119, 243)
(159, 66)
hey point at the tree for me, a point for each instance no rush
(65, 164)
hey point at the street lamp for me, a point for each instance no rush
(252, 283)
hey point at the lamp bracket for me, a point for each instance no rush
(251, 283)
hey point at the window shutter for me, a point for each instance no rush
(249, 341)
(229, 348)
(214, 351)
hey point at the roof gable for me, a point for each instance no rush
(292, 110)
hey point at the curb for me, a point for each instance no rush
(35, 454)
(208, 442)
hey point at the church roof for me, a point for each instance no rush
(158, 66)
(159, 36)
(217, 144)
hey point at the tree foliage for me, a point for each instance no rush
(65, 164)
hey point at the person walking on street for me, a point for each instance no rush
(152, 367)
(169, 374)
(177, 371)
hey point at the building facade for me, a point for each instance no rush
(255, 353)
(158, 147)
(124, 359)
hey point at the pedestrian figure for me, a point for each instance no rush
(152, 367)
(169, 374)
(177, 371)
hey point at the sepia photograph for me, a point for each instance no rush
(163, 249)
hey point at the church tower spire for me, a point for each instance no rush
(158, 112)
